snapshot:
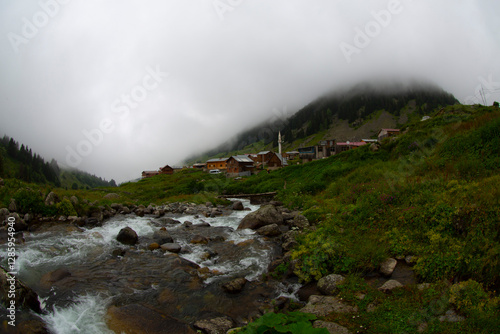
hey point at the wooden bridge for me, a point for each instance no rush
(254, 198)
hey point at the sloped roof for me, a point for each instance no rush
(242, 158)
(218, 160)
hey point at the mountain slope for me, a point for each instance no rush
(355, 113)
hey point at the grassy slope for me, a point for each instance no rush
(433, 193)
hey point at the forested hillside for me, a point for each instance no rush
(20, 162)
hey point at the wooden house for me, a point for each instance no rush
(240, 165)
(384, 133)
(276, 161)
(346, 146)
(291, 155)
(219, 163)
(150, 173)
(166, 170)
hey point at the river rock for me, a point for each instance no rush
(4, 212)
(50, 278)
(322, 306)
(127, 236)
(199, 239)
(140, 319)
(215, 326)
(266, 215)
(387, 266)
(52, 199)
(152, 246)
(169, 221)
(19, 224)
(162, 236)
(139, 212)
(272, 230)
(390, 285)
(25, 297)
(238, 205)
(328, 285)
(235, 286)
(171, 247)
(300, 222)
(332, 327)
(451, 316)
(12, 205)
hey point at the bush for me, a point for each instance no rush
(470, 299)
(292, 323)
(65, 208)
(29, 201)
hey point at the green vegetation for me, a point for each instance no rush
(291, 323)
(432, 193)
(22, 164)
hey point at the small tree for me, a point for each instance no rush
(74, 186)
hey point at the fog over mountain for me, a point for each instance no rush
(118, 87)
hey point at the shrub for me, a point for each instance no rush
(29, 201)
(292, 323)
(470, 299)
(65, 208)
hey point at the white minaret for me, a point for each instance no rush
(279, 142)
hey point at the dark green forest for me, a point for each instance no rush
(20, 162)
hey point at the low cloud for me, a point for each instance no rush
(68, 66)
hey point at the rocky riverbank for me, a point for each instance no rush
(171, 241)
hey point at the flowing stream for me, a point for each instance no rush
(78, 278)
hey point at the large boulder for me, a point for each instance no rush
(322, 306)
(266, 215)
(4, 212)
(52, 199)
(19, 224)
(162, 236)
(127, 236)
(171, 247)
(272, 230)
(50, 278)
(140, 319)
(387, 266)
(235, 286)
(215, 326)
(238, 205)
(12, 205)
(390, 285)
(300, 222)
(24, 296)
(332, 327)
(328, 285)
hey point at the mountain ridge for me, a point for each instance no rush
(344, 114)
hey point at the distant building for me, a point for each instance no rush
(324, 149)
(369, 141)
(146, 174)
(218, 163)
(291, 155)
(342, 147)
(240, 165)
(166, 170)
(384, 133)
(200, 166)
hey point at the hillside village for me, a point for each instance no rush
(251, 163)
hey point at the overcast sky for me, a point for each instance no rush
(115, 87)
